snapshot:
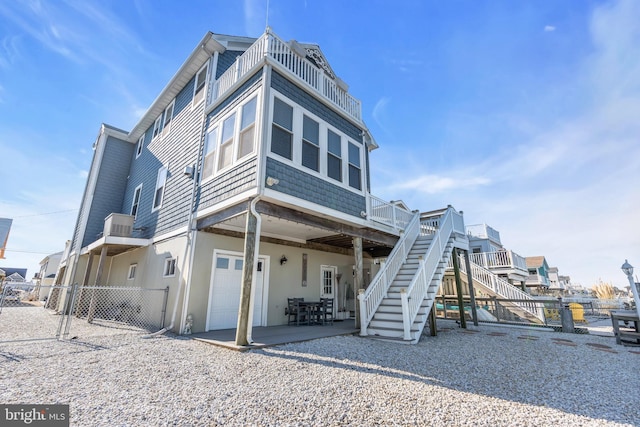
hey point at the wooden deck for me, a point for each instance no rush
(277, 335)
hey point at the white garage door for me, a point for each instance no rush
(225, 292)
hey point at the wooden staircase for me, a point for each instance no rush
(387, 322)
(397, 304)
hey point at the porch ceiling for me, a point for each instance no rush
(305, 230)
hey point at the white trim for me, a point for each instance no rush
(167, 267)
(131, 275)
(296, 154)
(266, 263)
(140, 146)
(161, 182)
(138, 191)
(157, 127)
(166, 127)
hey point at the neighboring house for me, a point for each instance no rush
(47, 274)
(246, 182)
(15, 274)
(5, 228)
(538, 279)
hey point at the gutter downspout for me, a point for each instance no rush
(191, 235)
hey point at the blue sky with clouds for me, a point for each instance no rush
(523, 114)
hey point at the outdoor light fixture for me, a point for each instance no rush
(628, 270)
(283, 260)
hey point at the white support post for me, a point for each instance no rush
(363, 314)
(404, 298)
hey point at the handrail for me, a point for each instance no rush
(371, 297)
(415, 293)
(499, 259)
(271, 46)
(503, 288)
(388, 213)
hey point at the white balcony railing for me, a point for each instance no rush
(537, 280)
(388, 213)
(483, 231)
(499, 259)
(289, 60)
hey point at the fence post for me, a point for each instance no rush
(566, 317)
(74, 292)
(164, 306)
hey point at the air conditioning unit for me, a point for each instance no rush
(119, 225)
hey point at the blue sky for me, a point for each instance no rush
(523, 114)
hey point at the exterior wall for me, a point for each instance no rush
(225, 60)
(178, 148)
(297, 183)
(283, 280)
(107, 194)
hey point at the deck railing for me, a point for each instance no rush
(537, 280)
(499, 259)
(483, 231)
(413, 296)
(503, 288)
(280, 52)
(389, 213)
(371, 297)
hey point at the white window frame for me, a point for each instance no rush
(132, 271)
(157, 127)
(296, 161)
(169, 269)
(135, 202)
(205, 67)
(237, 133)
(161, 184)
(169, 113)
(140, 146)
(358, 166)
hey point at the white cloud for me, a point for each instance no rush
(255, 17)
(549, 28)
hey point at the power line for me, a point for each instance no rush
(46, 213)
(29, 252)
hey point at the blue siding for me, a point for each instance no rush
(293, 92)
(110, 186)
(179, 148)
(236, 94)
(297, 183)
(226, 185)
(225, 60)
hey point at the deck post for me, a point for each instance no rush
(456, 271)
(358, 278)
(432, 320)
(92, 304)
(247, 277)
(472, 294)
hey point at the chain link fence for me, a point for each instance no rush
(50, 312)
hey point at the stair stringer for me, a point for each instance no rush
(387, 323)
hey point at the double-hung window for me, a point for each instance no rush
(157, 126)
(310, 143)
(200, 84)
(135, 203)
(139, 146)
(160, 184)
(168, 116)
(169, 267)
(226, 146)
(334, 155)
(355, 179)
(282, 129)
(247, 128)
(210, 153)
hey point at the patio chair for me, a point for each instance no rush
(296, 314)
(327, 310)
(578, 312)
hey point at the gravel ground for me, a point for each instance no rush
(489, 377)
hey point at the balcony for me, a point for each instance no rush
(537, 280)
(289, 58)
(483, 231)
(500, 260)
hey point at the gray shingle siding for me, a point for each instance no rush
(226, 185)
(297, 183)
(293, 92)
(110, 186)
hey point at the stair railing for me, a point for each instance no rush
(415, 293)
(505, 289)
(371, 298)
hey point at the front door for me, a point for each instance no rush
(328, 282)
(226, 282)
